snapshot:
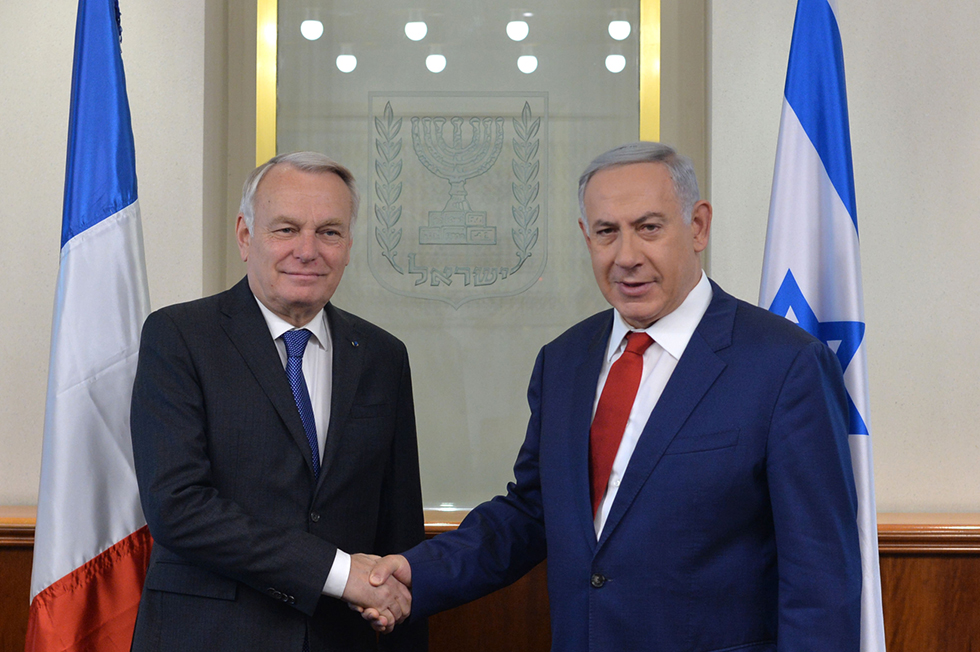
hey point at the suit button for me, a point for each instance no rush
(597, 580)
(315, 517)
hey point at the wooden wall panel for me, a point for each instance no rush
(514, 619)
(16, 551)
(931, 602)
(930, 580)
(15, 593)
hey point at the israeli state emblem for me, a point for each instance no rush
(457, 199)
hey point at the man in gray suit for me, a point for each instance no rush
(273, 434)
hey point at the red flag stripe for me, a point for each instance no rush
(95, 605)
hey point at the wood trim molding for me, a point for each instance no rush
(948, 534)
(438, 521)
(17, 526)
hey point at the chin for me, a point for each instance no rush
(642, 318)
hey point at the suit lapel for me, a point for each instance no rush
(346, 371)
(696, 371)
(584, 387)
(248, 332)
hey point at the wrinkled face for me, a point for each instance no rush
(300, 243)
(645, 258)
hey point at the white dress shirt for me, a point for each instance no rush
(318, 372)
(670, 334)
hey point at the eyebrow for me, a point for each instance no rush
(652, 215)
(287, 219)
(332, 221)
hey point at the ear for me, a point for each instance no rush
(585, 233)
(243, 236)
(701, 225)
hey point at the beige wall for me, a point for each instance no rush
(912, 76)
(914, 99)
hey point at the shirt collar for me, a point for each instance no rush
(672, 331)
(277, 325)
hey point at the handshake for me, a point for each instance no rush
(379, 589)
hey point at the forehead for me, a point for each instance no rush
(634, 186)
(285, 186)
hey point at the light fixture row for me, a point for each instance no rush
(416, 30)
(526, 63)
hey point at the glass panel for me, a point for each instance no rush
(467, 246)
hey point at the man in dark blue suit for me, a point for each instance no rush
(265, 466)
(716, 510)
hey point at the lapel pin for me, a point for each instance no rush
(353, 343)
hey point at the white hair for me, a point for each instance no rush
(306, 162)
(681, 170)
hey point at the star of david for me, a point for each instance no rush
(843, 337)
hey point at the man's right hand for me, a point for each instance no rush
(383, 602)
(393, 568)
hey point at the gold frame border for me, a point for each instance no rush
(650, 70)
(266, 61)
(265, 75)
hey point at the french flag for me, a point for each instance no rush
(812, 266)
(91, 544)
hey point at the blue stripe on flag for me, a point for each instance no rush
(815, 89)
(848, 336)
(100, 179)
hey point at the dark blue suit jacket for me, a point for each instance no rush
(734, 526)
(243, 536)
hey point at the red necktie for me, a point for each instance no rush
(613, 412)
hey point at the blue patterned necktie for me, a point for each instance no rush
(295, 346)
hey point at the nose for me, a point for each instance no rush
(628, 251)
(305, 246)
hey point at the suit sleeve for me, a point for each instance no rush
(497, 543)
(814, 507)
(186, 513)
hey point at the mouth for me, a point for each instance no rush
(633, 288)
(303, 276)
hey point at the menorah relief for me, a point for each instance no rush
(498, 164)
(456, 162)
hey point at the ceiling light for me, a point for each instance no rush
(435, 63)
(517, 30)
(416, 30)
(619, 29)
(346, 63)
(527, 63)
(615, 63)
(311, 29)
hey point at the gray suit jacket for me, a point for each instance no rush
(243, 539)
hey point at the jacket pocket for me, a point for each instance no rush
(188, 579)
(370, 411)
(700, 442)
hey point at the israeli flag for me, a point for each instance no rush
(812, 268)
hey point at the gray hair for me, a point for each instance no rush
(305, 162)
(680, 167)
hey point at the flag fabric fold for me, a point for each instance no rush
(812, 267)
(91, 542)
